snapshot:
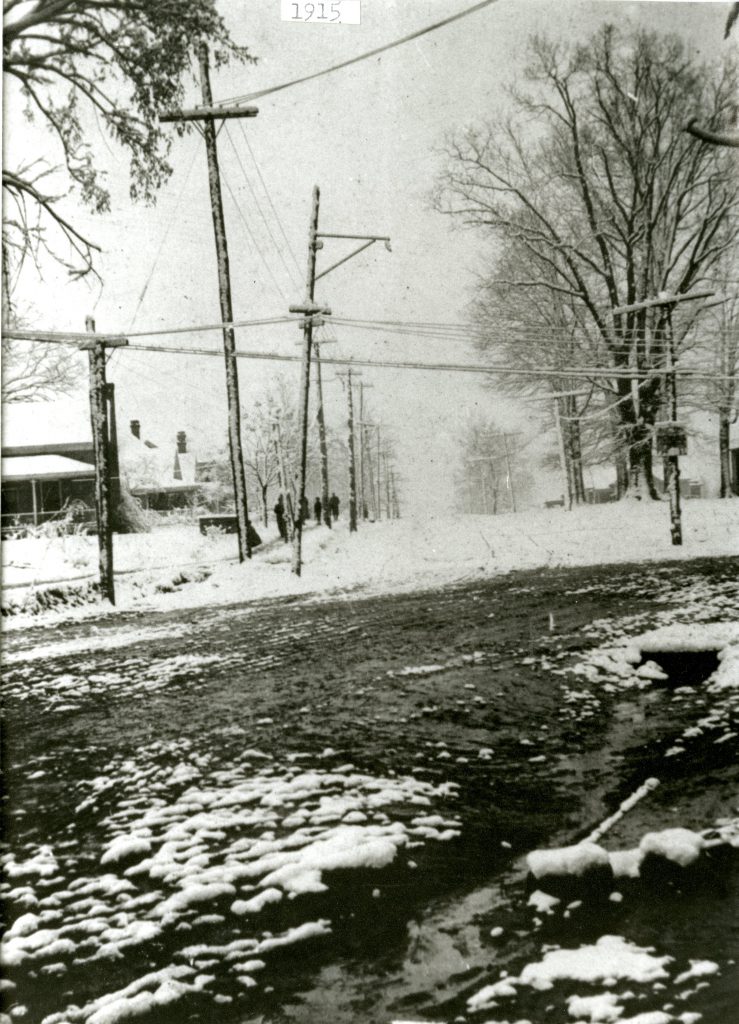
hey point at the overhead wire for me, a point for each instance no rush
(254, 242)
(248, 97)
(269, 197)
(288, 271)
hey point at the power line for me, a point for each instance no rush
(288, 271)
(269, 199)
(586, 373)
(254, 242)
(355, 60)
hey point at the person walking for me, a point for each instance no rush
(279, 511)
(333, 504)
(317, 509)
(304, 511)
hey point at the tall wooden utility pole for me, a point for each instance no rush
(313, 317)
(352, 462)
(208, 115)
(103, 461)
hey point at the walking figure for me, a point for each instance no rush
(279, 511)
(304, 510)
(317, 509)
(333, 505)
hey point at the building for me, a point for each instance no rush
(48, 462)
(158, 470)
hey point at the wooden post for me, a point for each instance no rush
(224, 294)
(99, 422)
(305, 381)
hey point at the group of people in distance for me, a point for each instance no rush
(279, 510)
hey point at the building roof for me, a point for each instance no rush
(29, 425)
(45, 467)
(154, 464)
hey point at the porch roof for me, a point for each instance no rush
(44, 467)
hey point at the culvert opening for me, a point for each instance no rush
(684, 668)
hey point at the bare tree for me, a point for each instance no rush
(595, 180)
(493, 476)
(120, 62)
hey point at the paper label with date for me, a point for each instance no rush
(328, 12)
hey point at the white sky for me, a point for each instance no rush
(369, 136)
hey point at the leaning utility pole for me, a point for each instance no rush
(208, 115)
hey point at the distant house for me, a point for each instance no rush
(48, 461)
(160, 472)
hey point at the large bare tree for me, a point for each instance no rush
(605, 200)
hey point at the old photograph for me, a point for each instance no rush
(370, 512)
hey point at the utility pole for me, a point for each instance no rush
(208, 115)
(102, 449)
(313, 317)
(675, 434)
(352, 463)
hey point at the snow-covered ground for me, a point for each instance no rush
(390, 556)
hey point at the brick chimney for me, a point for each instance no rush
(181, 442)
(135, 428)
